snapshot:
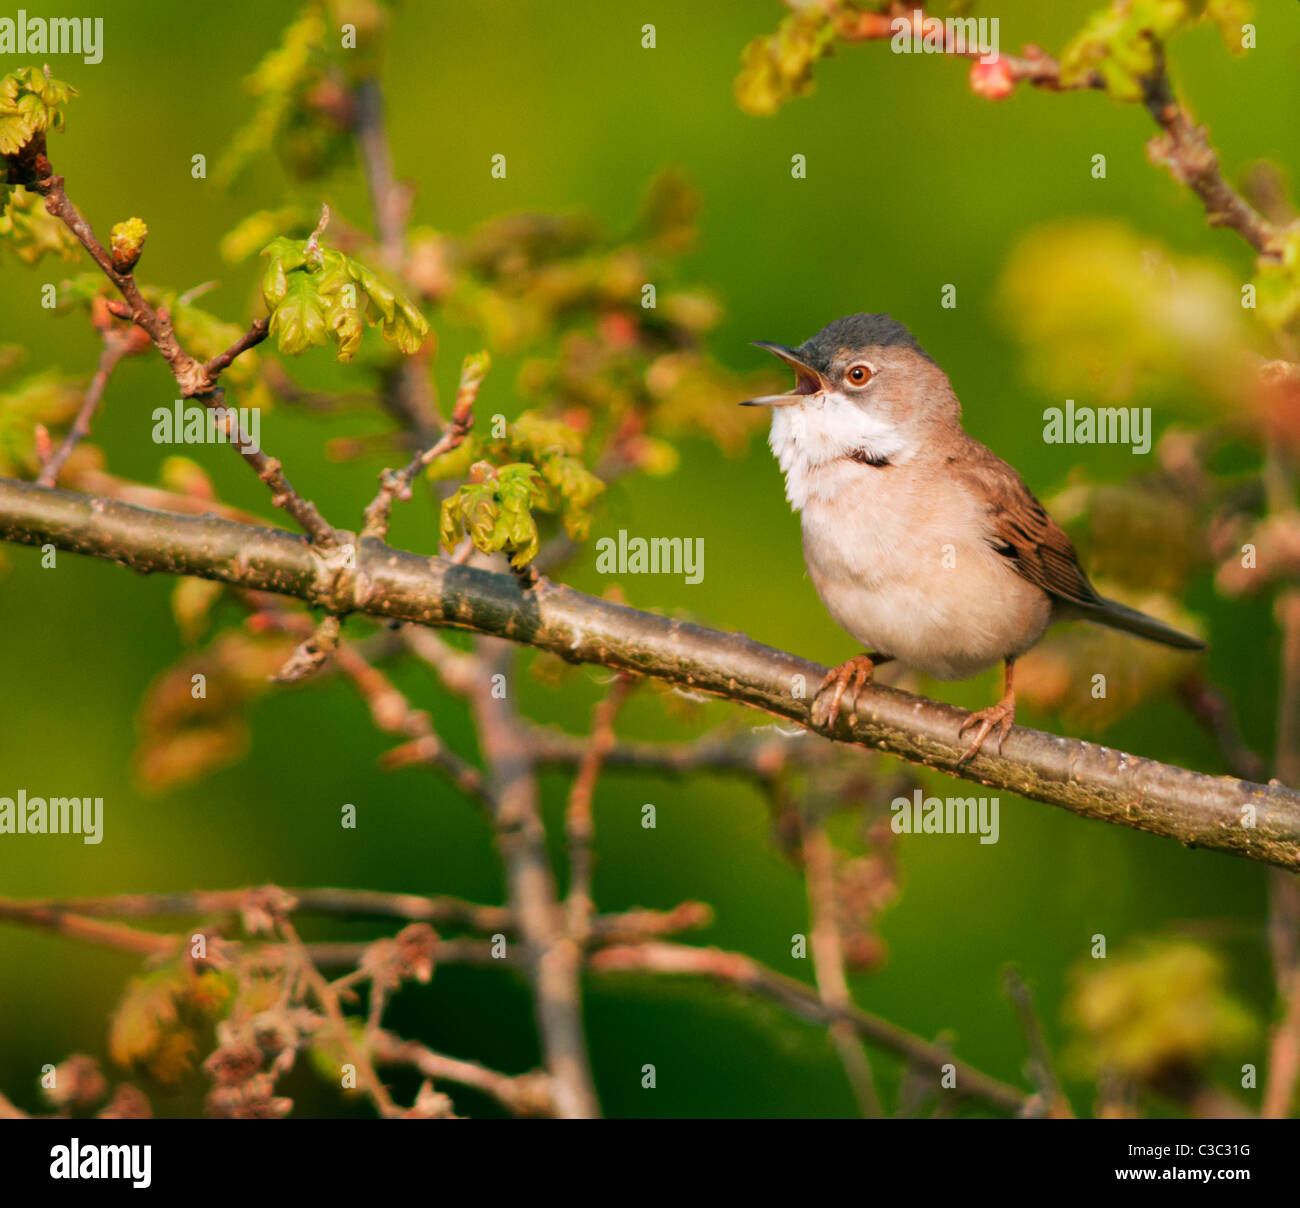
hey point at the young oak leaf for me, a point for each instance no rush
(30, 105)
(298, 317)
(496, 512)
(563, 484)
(315, 294)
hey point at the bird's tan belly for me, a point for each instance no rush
(905, 582)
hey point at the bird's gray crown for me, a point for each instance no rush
(856, 333)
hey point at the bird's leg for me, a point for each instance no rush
(857, 671)
(1000, 715)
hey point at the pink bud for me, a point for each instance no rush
(993, 81)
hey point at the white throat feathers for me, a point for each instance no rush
(828, 427)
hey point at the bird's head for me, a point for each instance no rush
(862, 385)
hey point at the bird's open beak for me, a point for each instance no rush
(809, 381)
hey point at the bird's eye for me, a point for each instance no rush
(860, 375)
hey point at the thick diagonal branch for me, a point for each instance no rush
(1260, 822)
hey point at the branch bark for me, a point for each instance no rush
(1089, 780)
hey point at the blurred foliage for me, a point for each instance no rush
(255, 232)
(1092, 677)
(1278, 282)
(49, 398)
(1094, 302)
(29, 232)
(1160, 1011)
(165, 1018)
(777, 67)
(302, 106)
(194, 717)
(1124, 43)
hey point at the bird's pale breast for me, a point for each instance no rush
(901, 561)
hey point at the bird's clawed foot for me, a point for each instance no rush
(847, 677)
(999, 716)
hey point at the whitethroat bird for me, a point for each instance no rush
(923, 544)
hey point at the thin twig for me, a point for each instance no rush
(367, 1076)
(828, 961)
(255, 334)
(1205, 702)
(396, 484)
(394, 714)
(520, 1094)
(579, 823)
(748, 753)
(1053, 1100)
(1284, 887)
(552, 957)
(116, 346)
(351, 903)
(407, 394)
(191, 376)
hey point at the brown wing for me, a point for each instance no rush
(1021, 530)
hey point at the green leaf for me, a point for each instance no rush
(298, 319)
(578, 487)
(30, 105)
(538, 436)
(1123, 43)
(1277, 285)
(329, 295)
(774, 69)
(496, 514)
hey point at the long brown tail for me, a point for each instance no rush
(1120, 616)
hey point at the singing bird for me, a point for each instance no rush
(923, 544)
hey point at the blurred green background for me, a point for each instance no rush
(912, 184)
